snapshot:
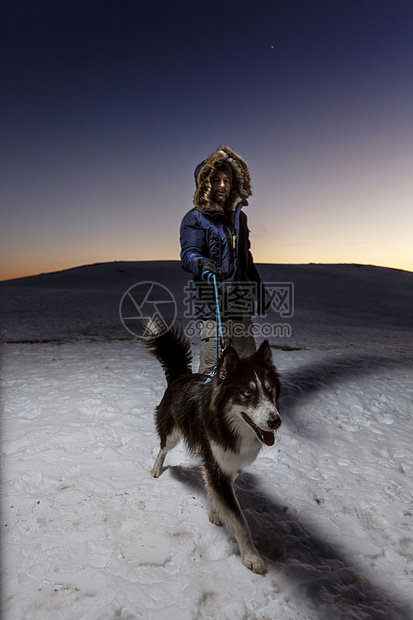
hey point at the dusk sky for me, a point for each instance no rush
(107, 107)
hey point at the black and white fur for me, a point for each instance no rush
(225, 421)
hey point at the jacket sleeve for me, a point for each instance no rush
(252, 271)
(262, 298)
(249, 268)
(193, 243)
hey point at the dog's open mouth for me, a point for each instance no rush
(266, 437)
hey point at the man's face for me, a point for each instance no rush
(220, 186)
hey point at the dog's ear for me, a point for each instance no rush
(264, 352)
(227, 363)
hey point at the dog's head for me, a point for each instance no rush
(247, 390)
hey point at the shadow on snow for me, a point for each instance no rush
(305, 381)
(319, 571)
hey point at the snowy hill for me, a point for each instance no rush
(88, 534)
(84, 301)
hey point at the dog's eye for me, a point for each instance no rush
(269, 389)
(247, 392)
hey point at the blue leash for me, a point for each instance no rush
(219, 334)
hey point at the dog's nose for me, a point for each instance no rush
(274, 423)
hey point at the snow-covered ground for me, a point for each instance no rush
(88, 534)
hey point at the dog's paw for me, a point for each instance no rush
(214, 517)
(254, 562)
(156, 471)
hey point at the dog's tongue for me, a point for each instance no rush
(267, 437)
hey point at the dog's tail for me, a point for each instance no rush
(173, 350)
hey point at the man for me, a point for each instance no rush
(215, 242)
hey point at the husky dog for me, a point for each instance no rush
(225, 420)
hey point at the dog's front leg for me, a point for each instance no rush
(224, 504)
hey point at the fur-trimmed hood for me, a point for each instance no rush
(241, 184)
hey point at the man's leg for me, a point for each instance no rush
(237, 333)
(242, 336)
(208, 351)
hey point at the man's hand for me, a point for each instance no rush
(207, 269)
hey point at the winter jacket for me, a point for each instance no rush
(207, 231)
(222, 239)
